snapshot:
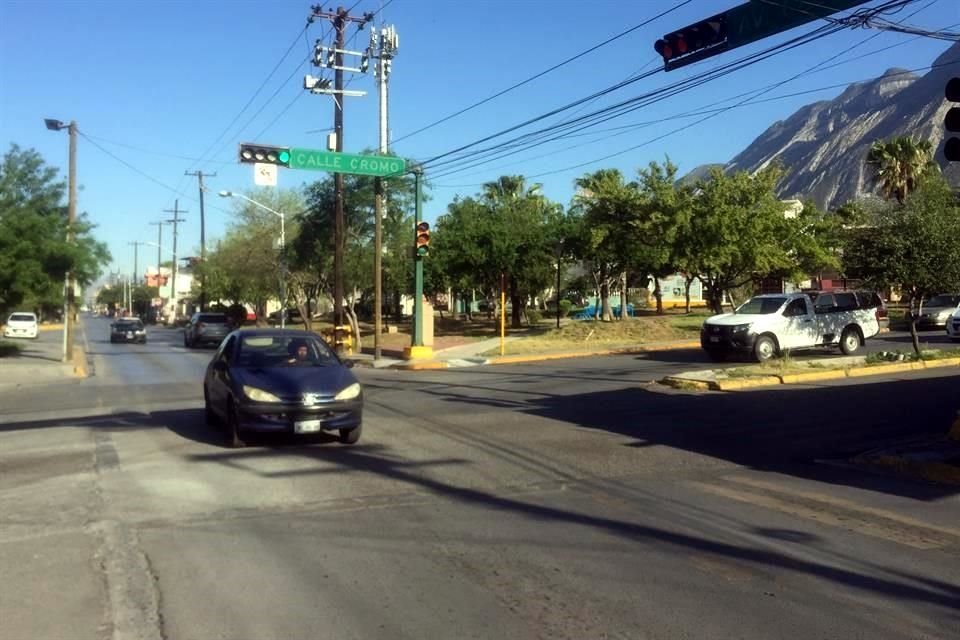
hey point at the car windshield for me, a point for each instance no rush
(129, 325)
(284, 351)
(22, 317)
(760, 305)
(212, 318)
(943, 301)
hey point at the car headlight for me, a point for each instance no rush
(349, 393)
(259, 395)
(740, 328)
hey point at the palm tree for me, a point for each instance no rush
(899, 164)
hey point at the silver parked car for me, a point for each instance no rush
(936, 311)
(206, 328)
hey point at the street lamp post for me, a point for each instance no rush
(68, 302)
(283, 253)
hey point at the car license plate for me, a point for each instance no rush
(307, 426)
(714, 339)
(129, 334)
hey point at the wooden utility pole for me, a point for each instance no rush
(176, 211)
(203, 237)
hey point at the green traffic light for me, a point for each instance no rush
(284, 157)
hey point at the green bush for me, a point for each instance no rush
(534, 316)
(565, 306)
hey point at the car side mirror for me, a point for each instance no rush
(348, 363)
(220, 365)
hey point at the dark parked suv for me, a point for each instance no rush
(206, 328)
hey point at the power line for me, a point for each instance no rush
(635, 102)
(542, 73)
(535, 138)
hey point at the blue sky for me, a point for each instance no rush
(156, 83)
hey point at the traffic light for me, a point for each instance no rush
(250, 152)
(692, 43)
(951, 148)
(423, 239)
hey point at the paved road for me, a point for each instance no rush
(560, 500)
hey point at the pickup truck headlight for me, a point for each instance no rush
(740, 329)
(259, 395)
(349, 393)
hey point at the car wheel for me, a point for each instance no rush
(233, 426)
(350, 436)
(849, 341)
(208, 413)
(186, 342)
(764, 348)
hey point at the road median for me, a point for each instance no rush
(734, 379)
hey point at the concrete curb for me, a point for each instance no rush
(734, 384)
(563, 355)
(433, 365)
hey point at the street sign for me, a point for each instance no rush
(265, 175)
(317, 160)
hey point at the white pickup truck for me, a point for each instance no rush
(771, 324)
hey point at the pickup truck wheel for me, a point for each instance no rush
(849, 341)
(764, 348)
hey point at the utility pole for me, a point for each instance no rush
(203, 238)
(176, 211)
(71, 310)
(388, 42)
(340, 19)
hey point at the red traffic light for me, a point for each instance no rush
(691, 39)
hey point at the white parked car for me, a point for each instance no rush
(21, 324)
(768, 325)
(953, 326)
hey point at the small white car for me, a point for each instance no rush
(21, 324)
(771, 324)
(953, 326)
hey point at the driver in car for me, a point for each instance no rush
(299, 352)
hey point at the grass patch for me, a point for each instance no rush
(579, 335)
(9, 349)
(884, 357)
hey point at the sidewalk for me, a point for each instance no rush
(41, 361)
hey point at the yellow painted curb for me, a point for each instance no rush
(417, 353)
(813, 376)
(944, 362)
(746, 383)
(51, 327)
(880, 369)
(79, 362)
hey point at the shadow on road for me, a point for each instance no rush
(369, 459)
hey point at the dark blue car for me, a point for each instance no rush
(281, 381)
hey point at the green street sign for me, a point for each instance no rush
(316, 160)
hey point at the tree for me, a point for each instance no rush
(35, 254)
(312, 251)
(510, 231)
(246, 265)
(603, 206)
(899, 164)
(914, 245)
(738, 231)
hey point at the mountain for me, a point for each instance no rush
(823, 146)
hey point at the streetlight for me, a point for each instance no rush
(283, 244)
(68, 302)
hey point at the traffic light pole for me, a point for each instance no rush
(417, 349)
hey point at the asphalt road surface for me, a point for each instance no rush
(567, 499)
